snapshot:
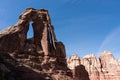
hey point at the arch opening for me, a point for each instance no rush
(30, 33)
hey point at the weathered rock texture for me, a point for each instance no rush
(78, 70)
(104, 68)
(41, 57)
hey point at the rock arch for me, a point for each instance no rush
(43, 31)
(44, 40)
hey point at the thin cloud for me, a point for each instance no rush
(113, 35)
(112, 42)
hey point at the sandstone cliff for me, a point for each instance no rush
(104, 68)
(41, 57)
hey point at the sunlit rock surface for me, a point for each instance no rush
(106, 67)
(41, 57)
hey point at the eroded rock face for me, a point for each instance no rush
(41, 57)
(78, 70)
(104, 68)
(73, 61)
(92, 66)
(109, 66)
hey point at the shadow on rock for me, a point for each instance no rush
(81, 73)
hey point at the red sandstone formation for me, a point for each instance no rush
(41, 57)
(104, 68)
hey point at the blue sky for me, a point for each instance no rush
(84, 26)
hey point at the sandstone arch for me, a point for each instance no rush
(44, 40)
